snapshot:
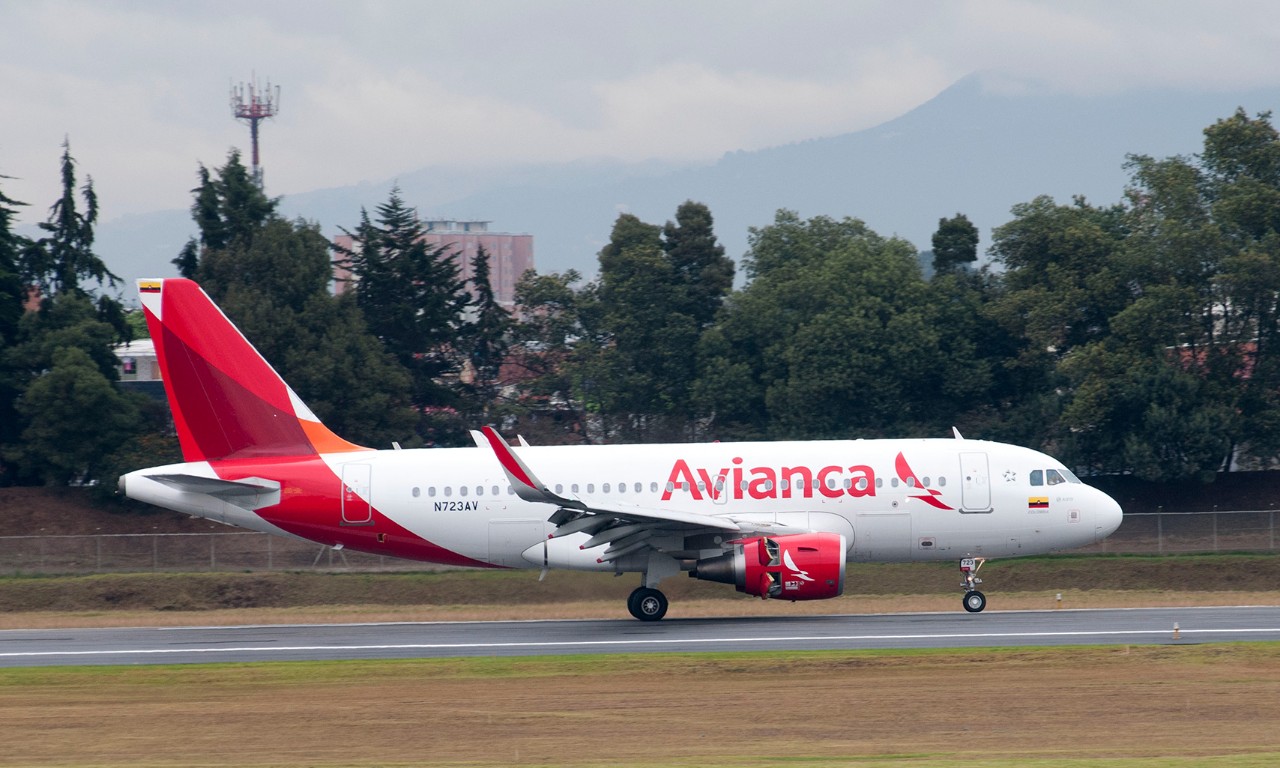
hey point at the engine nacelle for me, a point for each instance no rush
(802, 566)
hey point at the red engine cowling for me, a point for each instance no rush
(802, 566)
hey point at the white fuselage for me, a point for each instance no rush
(893, 500)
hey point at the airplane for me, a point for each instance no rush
(776, 520)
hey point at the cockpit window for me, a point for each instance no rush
(1053, 477)
(1071, 477)
(1037, 477)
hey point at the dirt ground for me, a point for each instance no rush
(1108, 705)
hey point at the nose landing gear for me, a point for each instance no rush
(974, 601)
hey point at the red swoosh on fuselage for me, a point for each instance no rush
(311, 507)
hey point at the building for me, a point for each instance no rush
(139, 369)
(510, 255)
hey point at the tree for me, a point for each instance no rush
(63, 260)
(230, 206)
(834, 335)
(659, 288)
(486, 338)
(699, 262)
(955, 244)
(1205, 265)
(12, 295)
(58, 444)
(229, 209)
(411, 295)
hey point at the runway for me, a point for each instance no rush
(193, 645)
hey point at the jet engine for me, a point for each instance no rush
(802, 566)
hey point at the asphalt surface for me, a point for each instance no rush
(194, 645)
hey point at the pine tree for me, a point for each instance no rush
(488, 335)
(229, 209)
(411, 295)
(11, 292)
(64, 259)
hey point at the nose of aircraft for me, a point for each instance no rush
(1107, 515)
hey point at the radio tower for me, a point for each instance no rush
(254, 105)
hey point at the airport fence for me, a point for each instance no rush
(1141, 533)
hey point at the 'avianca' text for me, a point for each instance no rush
(740, 482)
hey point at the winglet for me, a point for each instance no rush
(526, 485)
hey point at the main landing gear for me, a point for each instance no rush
(974, 601)
(647, 604)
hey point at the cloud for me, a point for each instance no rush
(373, 89)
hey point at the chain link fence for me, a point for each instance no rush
(1140, 533)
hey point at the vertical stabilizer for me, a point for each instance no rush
(227, 401)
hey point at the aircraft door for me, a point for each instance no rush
(975, 489)
(357, 482)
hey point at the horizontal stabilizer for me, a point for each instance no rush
(212, 486)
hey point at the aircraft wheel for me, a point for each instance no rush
(647, 604)
(974, 601)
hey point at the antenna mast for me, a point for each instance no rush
(253, 105)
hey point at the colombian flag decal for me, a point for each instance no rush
(149, 286)
(1038, 502)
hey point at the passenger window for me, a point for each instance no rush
(559, 488)
(942, 482)
(893, 482)
(605, 487)
(462, 491)
(448, 491)
(653, 487)
(622, 487)
(431, 491)
(495, 490)
(1054, 478)
(1037, 477)
(639, 487)
(417, 492)
(591, 487)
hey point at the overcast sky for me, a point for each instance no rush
(372, 89)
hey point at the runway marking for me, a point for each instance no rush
(275, 649)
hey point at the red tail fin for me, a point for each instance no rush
(227, 401)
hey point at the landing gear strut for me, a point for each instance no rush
(974, 601)
(647, 604)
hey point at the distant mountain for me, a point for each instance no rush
(972, 149)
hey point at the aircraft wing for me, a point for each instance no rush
(626, 528)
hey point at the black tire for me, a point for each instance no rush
(647, 604)
(974, 601)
